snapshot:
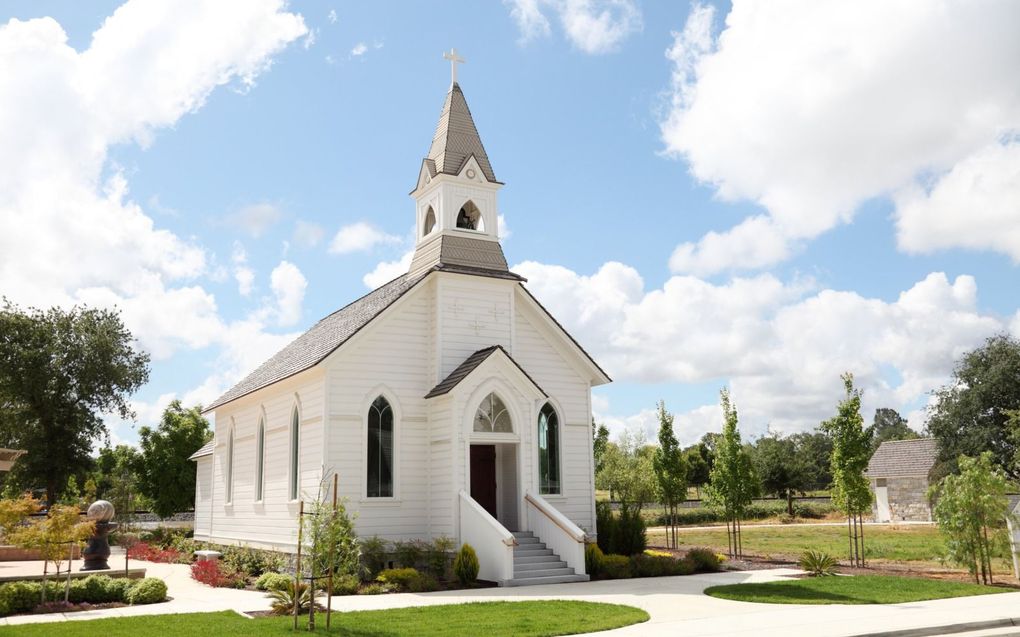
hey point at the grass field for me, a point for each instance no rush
(917, 545)
(859, 589)
(492, 619)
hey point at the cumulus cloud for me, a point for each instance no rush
(288, 286)
(69, 230)
(359, 49)
(780, 345)
(244, 275)
(360, 237)
(592, 26)
(386, 271)
(810, 111)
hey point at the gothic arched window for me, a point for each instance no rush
(379, 474)
(469, 217)
(229, 473)
(295, 454)
(548, 450)
(260, 460)
(492, 416)
(430, 222)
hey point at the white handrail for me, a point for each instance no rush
(559, 533)
(493, 544)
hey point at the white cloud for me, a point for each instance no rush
(593, 26)
(244, 275)
(255, 219)
(308, 234)
(69, 230)
(359, 49)
(386, 271)
(811, 111)
(332, 16)
(288, 285)
(309, 40)
(360, 237)
(502, 229)
(976, 205)
(780, 346)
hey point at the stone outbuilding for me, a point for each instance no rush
(898, 472)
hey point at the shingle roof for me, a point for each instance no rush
(204, 450)
(456, 138)
(469, 365)
(321, 339)
(900, 458)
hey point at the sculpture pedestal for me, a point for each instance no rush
(98, 550)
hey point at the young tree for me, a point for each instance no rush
(781, 468)
(699, 465)
(165, 475)
(969, 509)
(733, 483)
(671, 472)
(600, 440)
(60, 370)
(889, 425)
(970, 415)
(851, 451)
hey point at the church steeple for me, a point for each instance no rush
(457, 219)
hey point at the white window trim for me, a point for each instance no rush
(294, 456)
(259, 479)
(398, 420)
(229, 467)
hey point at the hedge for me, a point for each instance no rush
(24, 596)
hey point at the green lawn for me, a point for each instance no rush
(492, 619)
(859, 589)
(901, 544)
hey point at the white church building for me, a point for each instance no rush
(448, 401)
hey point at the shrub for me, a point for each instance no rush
(214, 573)
(439, 556)
(19, 597)
(593, 558)
(151, 553)
(817, 563)
(704, 560)
(605, 524)
(617, 567)
(623, 534)
(407, 579)
(643, 565)
(272, 581)
(465, 565)
(376, 588)
(149, 590)
(252, 562)
(283, 599)
(373, 553)
(330, 539)
(409, 554)
(346, 585)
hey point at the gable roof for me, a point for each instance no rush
(562, 329)
(456, 138)
(901, 458)
(321, 339)
(204, 450)
(469, 365)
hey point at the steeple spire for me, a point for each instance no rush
(456, 138)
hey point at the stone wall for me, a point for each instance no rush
(908, 499)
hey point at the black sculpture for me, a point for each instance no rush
(98, 550)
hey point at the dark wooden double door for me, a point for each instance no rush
(483, 477)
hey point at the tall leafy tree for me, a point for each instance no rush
(733, 484)
(969, 509)
(781, 468)
(814, 449)
(671, 471)
(699, 465)
(60, 371)
(851, 451)
(600, 440)
(116, 477)
(890, 425)
(165, 475)
(971, 414)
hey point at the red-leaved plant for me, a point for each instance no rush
(209, 573)
(150, 553)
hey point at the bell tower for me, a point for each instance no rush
(457, 221)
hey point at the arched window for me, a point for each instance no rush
(260, 460)
(380, 449)
(430, 222)
(469, 217)
(548, 450)
(295, 454)
(492, 416)
(229, 473)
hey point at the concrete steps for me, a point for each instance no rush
(535, 563)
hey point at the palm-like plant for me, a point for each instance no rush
(817, 563)
(283, 599)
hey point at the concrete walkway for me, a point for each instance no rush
(676, 605)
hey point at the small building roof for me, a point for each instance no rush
(204, 450)
(456, 138)
(903, 458)
(469, 365)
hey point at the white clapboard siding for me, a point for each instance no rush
(475, 314)
(203, 496)
(271, 523)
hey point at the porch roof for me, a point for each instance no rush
(470, 364)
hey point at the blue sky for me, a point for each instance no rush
(848, 199)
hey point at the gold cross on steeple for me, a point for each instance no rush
(454, 60)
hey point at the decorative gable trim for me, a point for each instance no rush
(472, 363)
